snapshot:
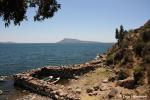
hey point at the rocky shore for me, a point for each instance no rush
(33, 79)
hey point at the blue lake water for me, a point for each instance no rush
(16, 58)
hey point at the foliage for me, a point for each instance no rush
(138, 48)
(120, 34)
(146, 53)
(147, 59)
(110, 59)
(123, 74)
(119, 55)
(15, 10)
(117, 34)
(127, 58)
(146, 36)
(130, 30)
(139, 75)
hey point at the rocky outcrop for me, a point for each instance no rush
(127, 83)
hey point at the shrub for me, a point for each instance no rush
(146, 36)
(138, 48)
(123, 74)
(148, 74)
(146, 53)
(128, 57)
(139, 75)
(130, 30)
(118, 56)
(147, 59)
(110, 59)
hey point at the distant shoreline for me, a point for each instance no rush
(61, 43)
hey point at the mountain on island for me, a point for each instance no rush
(69, 40)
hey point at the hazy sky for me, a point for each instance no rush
(93, 20)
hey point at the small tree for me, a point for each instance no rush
(117, 34)
(121, 32)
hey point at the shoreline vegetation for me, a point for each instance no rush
(122, 73)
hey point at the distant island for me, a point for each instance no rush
(9, 42)
(69, 40)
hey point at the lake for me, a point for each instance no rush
(15, 58)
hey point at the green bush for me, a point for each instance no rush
(139, 75)
(118, 56)
(110, 59)
(138, 48)
(146, 36)
(130, 30)
(123, 74)
(147, 59)
(127, 58)
(146, 53)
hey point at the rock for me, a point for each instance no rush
(54, 92)
(69, 88)
(2, 78)
(76, 77)
(63, 94)
(127, 83)
(96, 87)
(24, 91)
(112, 93)
(89, 90)
(112, 78)
(103, 87)
(57, 97)
(77, 98)
(1, 92)
(78, 90)
(93, 93)
(105, 81)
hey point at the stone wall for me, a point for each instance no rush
(32, 81)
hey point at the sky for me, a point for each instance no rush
(92, 20)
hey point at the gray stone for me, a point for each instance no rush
(103, 87)
(105, 81)
(112, 93)
(57, 97)
(62, 94)
(1, 92)
(76, 77)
